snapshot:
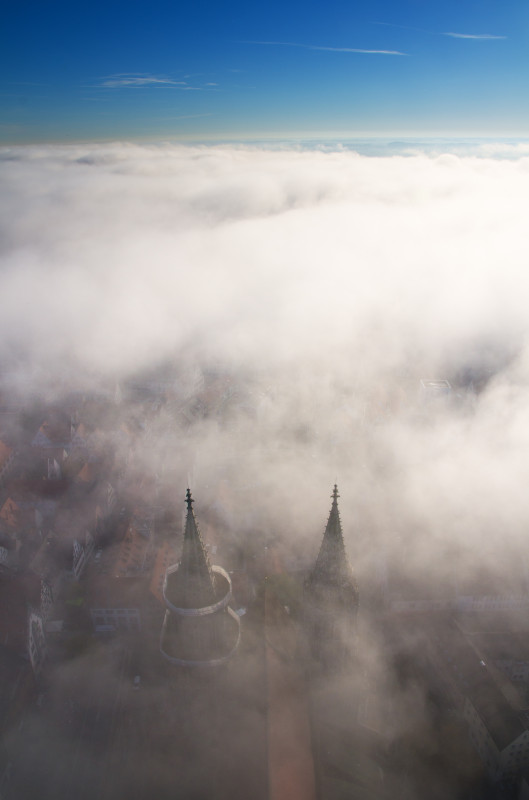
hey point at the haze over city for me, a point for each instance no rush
(255, 253)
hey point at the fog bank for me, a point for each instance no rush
(326, 285)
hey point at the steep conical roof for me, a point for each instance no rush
(332, 571)
(199, 628)
(193, 585)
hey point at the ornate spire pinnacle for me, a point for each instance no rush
(331, 597)
(332, 567)
(199, 628)
(196, 580)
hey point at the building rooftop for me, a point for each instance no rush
(132, 554)
(18, 593)
(112, 592)
(504, 646)
(478, 683)
(5, 453)
(165, 556)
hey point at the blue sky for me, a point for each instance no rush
(236, 69)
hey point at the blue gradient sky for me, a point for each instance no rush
(237, 69)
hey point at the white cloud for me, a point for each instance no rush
(275, 243)
(134, 80)
(436, 33)
(333, 49)
(335, 280)
(473, 36)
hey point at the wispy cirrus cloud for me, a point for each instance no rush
(331, 49)
(184, 116)
(136, 80)
(473, 36)
(437, 33)
(140, 80)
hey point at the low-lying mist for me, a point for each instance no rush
(325, 286)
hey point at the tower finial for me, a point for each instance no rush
(335, 494)
(189, 501)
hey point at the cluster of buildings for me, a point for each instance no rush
(86, 540)
(87, 553)
(77, 551)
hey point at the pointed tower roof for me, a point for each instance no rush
(332, 573)
(199, 629)
(193, 585)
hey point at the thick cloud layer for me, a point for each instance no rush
(335, 281)
(113, 254)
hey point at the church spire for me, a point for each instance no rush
(331, 598)
(332, 570)
(199, 629)
(196, 581)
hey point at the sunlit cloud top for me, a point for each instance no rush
(326, 284)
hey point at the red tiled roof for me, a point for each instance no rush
(131, 554)
(88, 474)
(10, 513)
